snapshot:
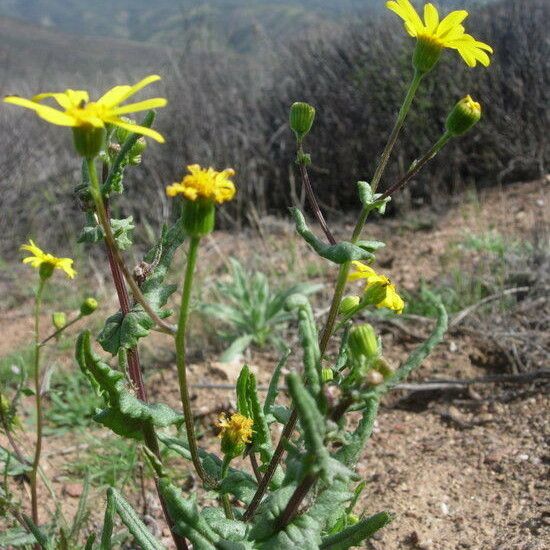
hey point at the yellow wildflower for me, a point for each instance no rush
(378, 286)
(447, 33)
(79, 112)
(205, 183)
(39, 258)
(235, 433)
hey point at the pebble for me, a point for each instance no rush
(444, 508)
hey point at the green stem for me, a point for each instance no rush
(180, 357)
(97, 197)
(38, 402)
(60, 330)
(225, 497)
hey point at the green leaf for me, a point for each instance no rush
(122, 231)
(188, 522)
(309, 340)
(370, 200)
(130, 518)
(108, 523)
(337, 253)
(261, 438)
(273, 389)
(125, 414)
(13, 538)
(227, 529)
(82, 511)
(356, 534)
(15, 468)
(38, 534)
(243, 401)
(236, 348)
(124, 331)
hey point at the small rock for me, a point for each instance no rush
(73, 490)
(444, 508)
(523, 457)
(453, 348)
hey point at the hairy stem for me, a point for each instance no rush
(180, 357)
(225, 497)
(38, 404)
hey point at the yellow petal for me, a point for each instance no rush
(114, 96)
(450, 21)
(137, 87)
(67, 99)
(145, 105)
(431, 17)
(136, 129)
(43, 111)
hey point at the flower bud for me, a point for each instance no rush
(88, 140)
(134, 156)
(198, 217)
(465, 114)
(89, 305)
(59, 320)
(363, 341)
(301, 119)
(348, 304)
(374, 378)
(235, 434)
(426, 54)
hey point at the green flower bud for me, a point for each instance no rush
(375, 293)
(348, 304)
(135, 152)
(199, 217)
(59, 320)
(465, 114)
(364, 342)
(88, 140)
(46, 270)
(426, 54)
(89, 305)
(301, 119)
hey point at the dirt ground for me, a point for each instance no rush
(461, 469)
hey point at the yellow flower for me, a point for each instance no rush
(379, 287)
(205, 183)
(235, 433)
(79, 112)
(39, 258)
(448, 33)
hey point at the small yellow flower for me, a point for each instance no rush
(79, 112)
(448, 33)
(389, 297)
(205, 183)
(39, 258)
(236, 433)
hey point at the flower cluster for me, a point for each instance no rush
(235, 433)
(39, 258)
(379, 287)
(205, 183)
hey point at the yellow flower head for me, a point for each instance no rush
(205, 183)
(39, 258)
(79, 112)
(236, 433)
(447, 33)
(379, 287)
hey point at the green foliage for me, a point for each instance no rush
(253, 312)
(124, 414)
(338, 253)
(356, 534)
(122, 231)
(124, 331)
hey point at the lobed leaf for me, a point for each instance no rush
(340, 253)
(356, 534)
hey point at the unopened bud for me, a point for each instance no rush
(59, 320)
(348, 304)
(465, 114)
(89, 305)
(363, 341)
(301, 119)
(327, 375)
(374, 378)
